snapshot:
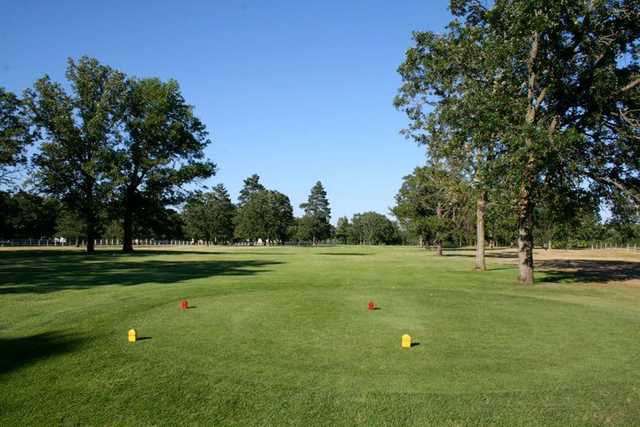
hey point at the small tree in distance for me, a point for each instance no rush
(315, 224)
(209, 216)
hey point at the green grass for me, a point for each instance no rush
(282, 336)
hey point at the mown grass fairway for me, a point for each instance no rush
(282, 336)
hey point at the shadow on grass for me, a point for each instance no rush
(501, 255)
(344, 253)
(587, 271)
(18, 352)
(42, 272)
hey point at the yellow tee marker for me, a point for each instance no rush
(406, 341)
(133, 335)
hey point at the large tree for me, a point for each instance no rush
(433, 205)
(372, 228)
(79, 131)
(161, 150)
(343, 228)
(558, 73)
(26, 215)
(252, 185)
(209, 215)
(15, 134)
(315, 225)
(263, 214)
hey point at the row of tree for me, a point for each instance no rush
(111, 147)
(27, 215)
(531, 107)
(436, 208)
(267, 216)
(211, 216)
(261, 215)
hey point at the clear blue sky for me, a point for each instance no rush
(294, 91)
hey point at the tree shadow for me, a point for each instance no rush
(344, 253)
(42, 272)
(500, 255)
(18, 352)
(587, 271)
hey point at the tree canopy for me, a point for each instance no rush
(527, 92)
(80, 132)
(209, 216)
(15, 134)
(315, 225)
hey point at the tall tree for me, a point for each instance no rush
(267, 215)
(432, 203)
(563, 70)
(252, 185)
(343, 229)
(162, 149)
(15, 134)
(209, 216)
(317, 214)
(79, 134)
(26, 215)
(372, 228)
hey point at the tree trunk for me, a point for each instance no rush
(525, 204)
(127, 243)
(439, 248)
(481, 207)
(525, 237)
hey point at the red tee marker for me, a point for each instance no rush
(371, 305)
(184, 304)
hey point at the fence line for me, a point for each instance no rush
(142, 242)
(61, 242)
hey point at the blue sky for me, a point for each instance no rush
(293, 91)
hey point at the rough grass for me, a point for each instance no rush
(282, 336)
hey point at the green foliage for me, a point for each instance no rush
(113, 230)
(80, 133)
(263, 214)
(25, 216)
(15, 134)
(372, 228)
(433, 205)
(161, 149)
(160, 223)
(209, 216)
(70, 226)
(521, 92)
(251, 186)
(624, 224)
(343, 230)
(315, 224)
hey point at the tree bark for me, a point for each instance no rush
(525, 203)
(525, 237)
(481, 207)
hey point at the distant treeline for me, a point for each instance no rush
(261, 216)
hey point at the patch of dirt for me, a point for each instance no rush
(604, 266)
